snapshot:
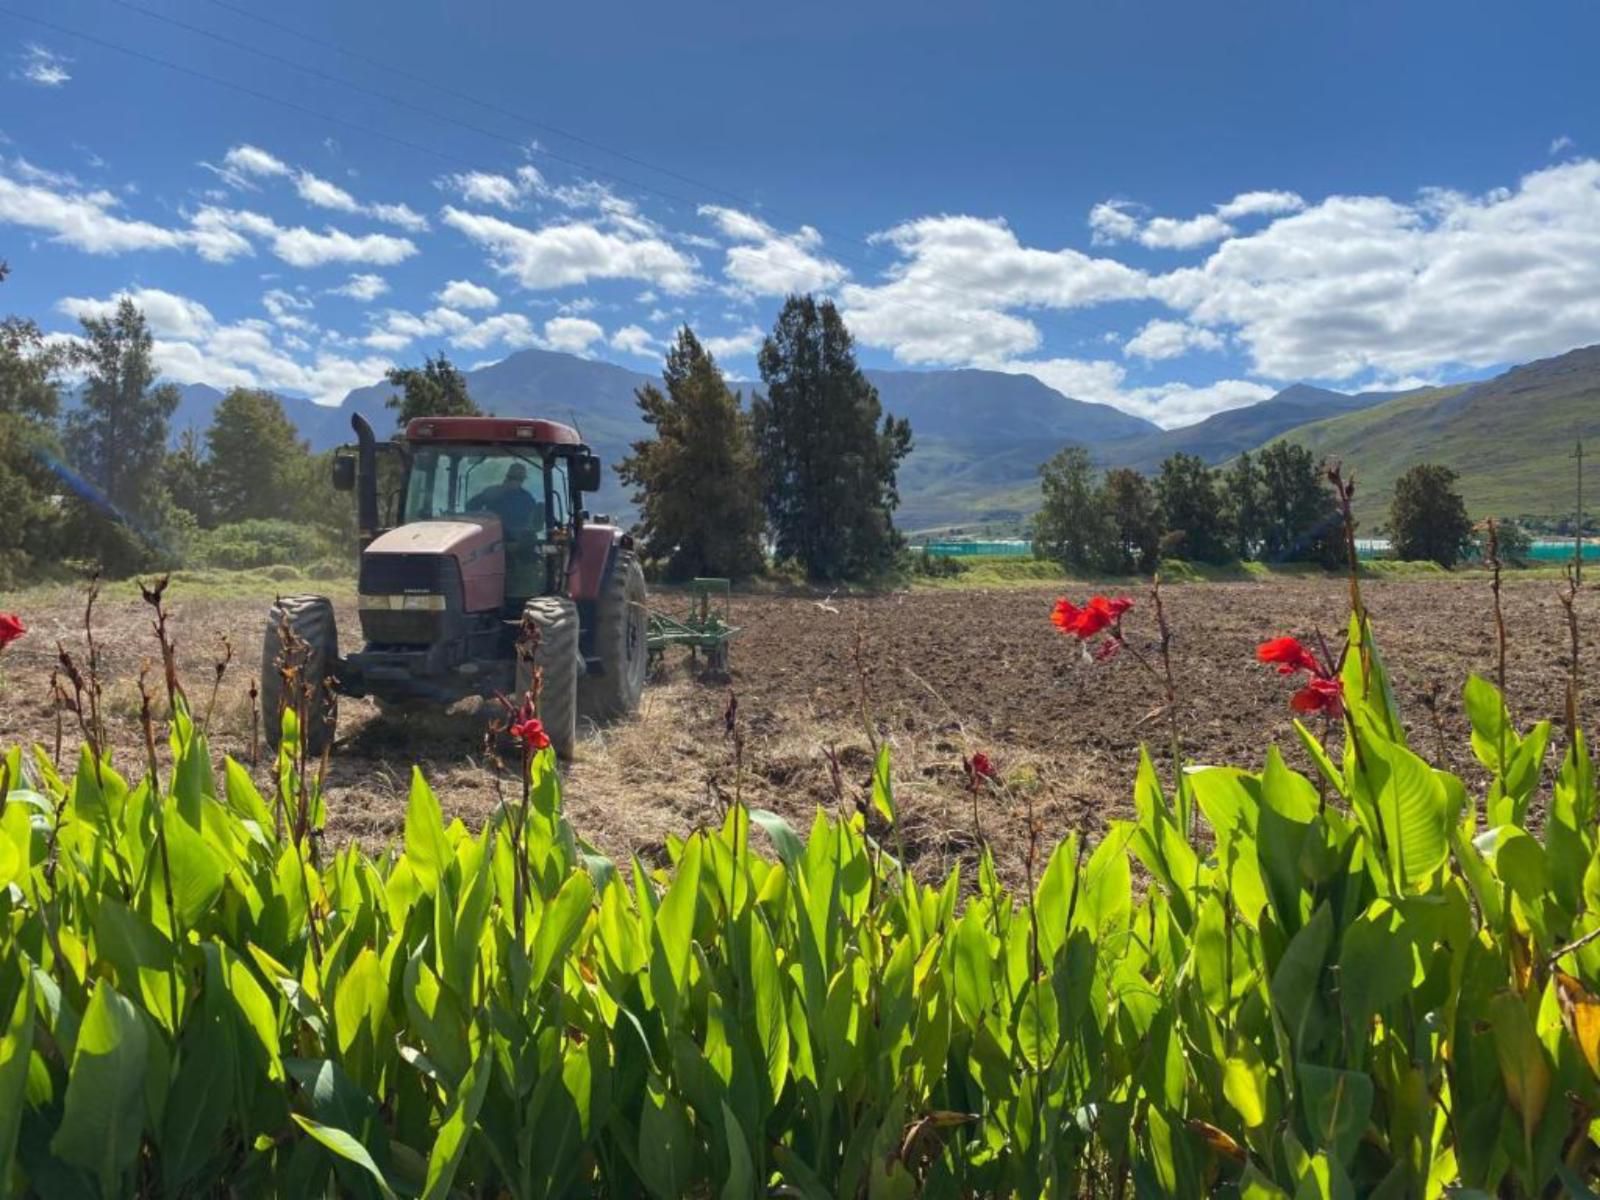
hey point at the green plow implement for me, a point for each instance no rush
(706, 626)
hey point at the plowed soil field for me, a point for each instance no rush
(937, 674)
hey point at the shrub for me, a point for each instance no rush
(247, 544)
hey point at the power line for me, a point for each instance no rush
(576, 164)
(404, 143)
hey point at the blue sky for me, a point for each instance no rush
(1171, 207)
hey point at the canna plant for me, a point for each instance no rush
(1367, 982)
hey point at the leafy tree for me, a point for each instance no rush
(1072, 527)
(1299, 517)
(186, 475)
(1427, 518)
(1133, 517)
(435, 389)
(1192, 510)
(28, 403)
(1241, 490)
(828, 453)
(696, 483)
(257, 460)
(117, 436)
(1515, 543)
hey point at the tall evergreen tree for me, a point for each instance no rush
(256, 458)
(1192, 509)
(435, 389)
(186, 474)
(1071, 527)
(117, 436)
(696, 482)
(1427, 518)
(1300, 519)
(828, 452)
(27, 414)
(1134, 519)
(1241, 489)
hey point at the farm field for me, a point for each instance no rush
(944, 672)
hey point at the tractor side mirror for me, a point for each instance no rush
(586, 473)
(344, 473)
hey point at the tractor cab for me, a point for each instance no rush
(472, 533)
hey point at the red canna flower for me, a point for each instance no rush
(1320, 694)
(1289, 655)
(1097, 614)
(980, 767)
(11, 628)
(528, 729)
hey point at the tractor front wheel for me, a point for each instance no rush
(621, 627)
(302, 642)
(559, 664)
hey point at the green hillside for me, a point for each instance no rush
(1510, 438)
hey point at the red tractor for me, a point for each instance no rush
(482, 527)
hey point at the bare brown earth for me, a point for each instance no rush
(941, 674)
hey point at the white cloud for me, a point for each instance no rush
(1170, 339)
(1169, 233)
(1112, 221)
(1260, 204)
(463, 293)
(768, 263)
(735, 345)
(487, 187)
(396, 329)
(1168, 405)
(574, 335)
(41, 66)
(946, 299)
(509, 329)
(1359, 284)
(168, 314)
(635, 339)
(286, 307)
(361, 287)
(400, 215)
(1561, 144)
(252, 160)
(318, 191)
(85, 220)
(302, 247)
(190, 346)
(566, 254)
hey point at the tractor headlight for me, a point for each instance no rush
(404, 603)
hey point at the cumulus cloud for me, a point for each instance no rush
(635, 339)
(1169, 233)
(735, 345)
(947, 297)
(488, 187)
(574, 335)
(765, 262)
(1170, 339)
(302, 247)
(191, 346)
(1260, 204)
(85, 220)
(1561, 145)
(1168, 405)
(1114, 221)
(361, 287)
(463, 293)
(568, 253)
(244, 163)
(42, 67)
(1359, 284)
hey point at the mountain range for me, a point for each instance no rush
(979, 436)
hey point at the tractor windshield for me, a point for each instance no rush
(457, 480)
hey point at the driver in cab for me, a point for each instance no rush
(520, 514)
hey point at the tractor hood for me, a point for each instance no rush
(462, 560)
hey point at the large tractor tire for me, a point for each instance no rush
(621, 625)
(558, 659)
(309, 621)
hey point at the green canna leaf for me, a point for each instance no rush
(772, 1029)
(444, 1160)
(202, 1098)
(1337, 1105)
(1524, 1068)
(1244, 1083)
(105, 1109)
(883, 785)
(666, 1143)
(359, 1001)
(1412, 806)
(428, 853)
(16, 1046)
(560, 924)
(347, 1148)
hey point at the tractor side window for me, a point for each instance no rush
(560, 494)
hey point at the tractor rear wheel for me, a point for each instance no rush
(621, 626)
(301, 636)
(559, 662)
